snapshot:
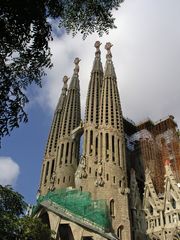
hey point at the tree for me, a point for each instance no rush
(24, 50)
(14, 224)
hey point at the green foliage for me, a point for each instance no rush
(24, 50)
(14, 224)
(33, 229)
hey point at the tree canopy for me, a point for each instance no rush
(24, 49)
(14, 224)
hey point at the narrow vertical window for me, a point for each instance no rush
(101, 145)
(119, 232)
(52, 167)
(107, 141)
(64, 179)
(112, 208)
(67, 151)
(62, 150)
(107, 145)
(47, 170)
(96, 146)
(71, 157)
(118, 153)
(85, 143)
(107, 176)
(114, 179)
(91, 141)
(113, 157)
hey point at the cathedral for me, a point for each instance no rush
(126, 183)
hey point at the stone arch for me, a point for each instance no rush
(120, 232)
(45, 218)
(65, 232)
(112, 208)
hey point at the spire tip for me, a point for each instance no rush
(65, 79)
(76, 62)
(97, 46)
(108, 48)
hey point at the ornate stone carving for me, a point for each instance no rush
(76, 62)
(108, 48)
(97, 46)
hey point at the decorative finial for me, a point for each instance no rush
(97, 46)
(65, 79)
(108, 48)
(76, 62)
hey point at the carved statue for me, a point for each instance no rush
(108, 48)
(65, 80)
(97, 46)
(76, 62)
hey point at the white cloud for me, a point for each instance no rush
(146, 57)
(9, 171)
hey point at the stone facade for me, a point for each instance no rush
(122, 164)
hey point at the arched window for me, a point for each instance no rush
(112, 212)
(120, 231)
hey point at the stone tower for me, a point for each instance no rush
(88, 198)
(102, 169)
(62, 152)
(85, 180)
(51, 147)
(111, 182)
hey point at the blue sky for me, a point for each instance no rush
(146, 55)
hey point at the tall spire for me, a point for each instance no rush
(54, 131)
(59, 168)
(111, 165)
(94, 89)
(51, 148)
(90, 149)
(110, 109)
(72, 112)
(63, 94)
(68, 148)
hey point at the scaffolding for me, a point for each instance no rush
(81, 205)
(152, 138)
